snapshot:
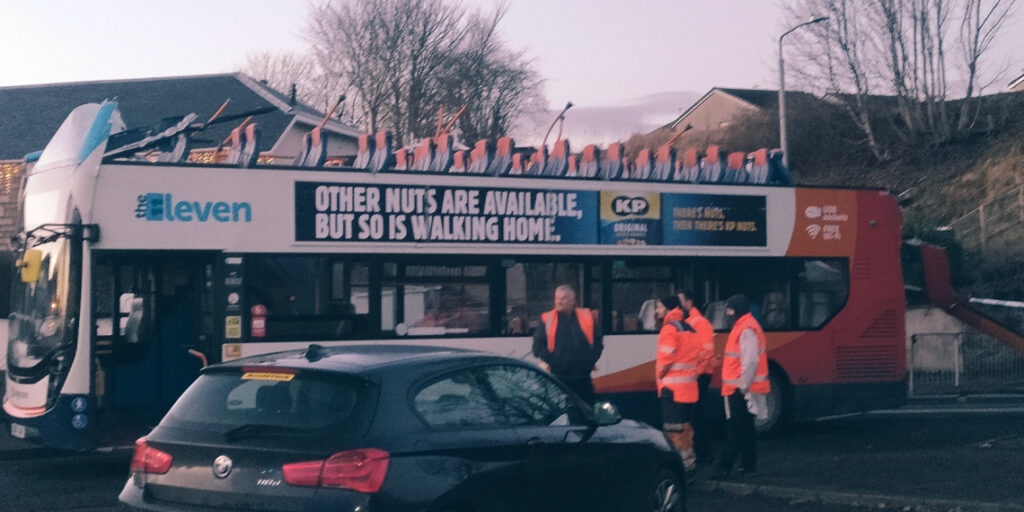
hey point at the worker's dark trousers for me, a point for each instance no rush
(742, 438)
(701, 426)
(581, 385)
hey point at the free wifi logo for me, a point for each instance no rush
(813, 230)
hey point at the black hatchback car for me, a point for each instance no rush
(396, 428)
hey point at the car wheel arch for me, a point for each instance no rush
(660, 477)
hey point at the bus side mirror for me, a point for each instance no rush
(30, 264)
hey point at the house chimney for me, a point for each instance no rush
(291, 98)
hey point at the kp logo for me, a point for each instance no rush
(812, 212)
(624, 205)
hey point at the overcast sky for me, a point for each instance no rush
(593, 52)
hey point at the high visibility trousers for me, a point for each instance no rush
(677, 421)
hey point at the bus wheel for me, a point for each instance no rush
(778, 405)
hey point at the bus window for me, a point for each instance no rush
(285, 285)
(593, 291)
(517, 315)
(767, 282)
(530, 290)
(715, 313)
(775, 308)
(350, 297)
(823, 286)
(435, 300)
(7, 259)
(308, 297)
(122, 293)
(635, 290)
(360, 288)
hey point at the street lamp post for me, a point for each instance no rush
(782, 90)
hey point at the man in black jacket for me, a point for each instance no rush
(568, 341)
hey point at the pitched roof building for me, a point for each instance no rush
(721, 106)
(31, 114)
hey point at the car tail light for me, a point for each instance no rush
(147, 459)
(304, 474)
(359, 470)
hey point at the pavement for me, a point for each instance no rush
(945, 453)
(941, 453)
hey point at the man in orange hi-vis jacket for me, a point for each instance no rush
(705, 368)
(676, 375)
(569, 342)
(745, 386)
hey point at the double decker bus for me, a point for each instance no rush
(134, 273)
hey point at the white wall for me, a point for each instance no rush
(932, 352)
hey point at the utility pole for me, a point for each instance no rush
(782, 90)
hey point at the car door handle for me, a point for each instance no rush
(535, 441)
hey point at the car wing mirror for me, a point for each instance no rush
(30, 265)
(605, 413)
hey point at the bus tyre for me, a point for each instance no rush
(667, 493)
(778, 405)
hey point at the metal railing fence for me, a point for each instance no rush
(969, 362)
(994, 224)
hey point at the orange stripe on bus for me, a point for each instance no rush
(641, 377)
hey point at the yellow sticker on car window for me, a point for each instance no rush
(278, 376)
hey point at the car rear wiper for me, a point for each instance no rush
(259, 429)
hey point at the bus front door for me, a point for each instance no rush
(149, 312)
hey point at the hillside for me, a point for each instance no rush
(938, 184)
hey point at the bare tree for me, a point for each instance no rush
(979, 25)
(916, 31)
(496, 85)
(840, 59)
(407, 60)
(874, 52)
(350, 45)
(313, 86)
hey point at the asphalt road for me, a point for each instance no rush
(961, 457)
(90, 483)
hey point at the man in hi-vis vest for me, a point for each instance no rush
(705, 368)
(676, 368)
(744, 386)
(568, 341)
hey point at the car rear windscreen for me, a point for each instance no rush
(294, 402)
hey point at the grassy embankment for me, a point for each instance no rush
(941, 183)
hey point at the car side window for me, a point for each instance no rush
(462, 399)
(529, 397)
